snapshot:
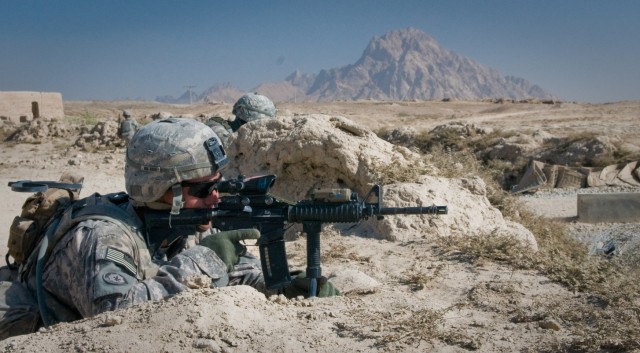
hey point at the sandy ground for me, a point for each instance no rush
(459, 306)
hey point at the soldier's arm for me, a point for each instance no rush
(95, 268)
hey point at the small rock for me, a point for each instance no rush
(549, 325)
(207, 345)
(112, 320)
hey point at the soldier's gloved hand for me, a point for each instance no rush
(227, 244)
(300, 287)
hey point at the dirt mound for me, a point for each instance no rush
(470, 212)
(40, 129)
(307, 152)
(317, 151)
(102, 135)
(408, 295)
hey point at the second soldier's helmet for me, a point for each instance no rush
(126, 113)
(253, 106)
(165, 152)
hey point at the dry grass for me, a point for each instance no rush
(397, 171)
(4, 133)
(407, 326)
(608, 319)
(87, 118)
(611, 325)
(418, 280)
(489, 247)
(341, 252)
(457, 140)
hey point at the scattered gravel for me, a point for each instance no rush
(606, 239)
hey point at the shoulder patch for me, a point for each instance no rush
(114, 278)
(122, 259)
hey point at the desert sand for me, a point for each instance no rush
(409, 295)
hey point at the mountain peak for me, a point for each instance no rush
(394, 44)
(400, 65)
(410, 64)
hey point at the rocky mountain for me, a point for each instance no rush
(221, 92)
(409, 64)
(401, 65)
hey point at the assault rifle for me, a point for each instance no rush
(248, 204)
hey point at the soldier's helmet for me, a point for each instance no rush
(165, 152)
(253, 106)
(126, 113)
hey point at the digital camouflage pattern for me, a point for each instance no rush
(128, 128)
(102, 258)
(253, 106)
(116, 270)
(221, 127)
(166, 152)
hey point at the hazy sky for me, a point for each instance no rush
(582, 50)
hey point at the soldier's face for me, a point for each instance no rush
(199, 193)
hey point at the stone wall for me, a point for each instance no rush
(24, 106)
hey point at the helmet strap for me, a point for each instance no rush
(177, 202)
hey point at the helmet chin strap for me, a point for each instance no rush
(177, 202)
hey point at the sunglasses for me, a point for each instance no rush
(200, 189)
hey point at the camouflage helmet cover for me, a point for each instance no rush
(253, 106)
(221, 128)
(166, 152)
(126, 113)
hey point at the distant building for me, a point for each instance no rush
(24, 106)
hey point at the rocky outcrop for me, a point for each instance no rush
(313, 151)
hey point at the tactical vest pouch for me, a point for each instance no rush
(23, 237)
(27, 229)
(19, 313)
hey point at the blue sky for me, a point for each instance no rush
(112, 49)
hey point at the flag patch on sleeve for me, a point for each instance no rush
(122, 259)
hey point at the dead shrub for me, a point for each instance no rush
(397, 171)
(339, 251)
(417, 280)
(491, 247)
(405, 326)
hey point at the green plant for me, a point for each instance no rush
(86, 119)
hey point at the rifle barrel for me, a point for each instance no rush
(414, 210)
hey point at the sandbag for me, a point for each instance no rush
(570, 178)
(533, 178)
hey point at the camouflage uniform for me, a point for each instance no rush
(127, 129)
(221, 127)
(250, 107)
(117, 270)
(107, 263)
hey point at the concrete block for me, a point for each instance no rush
(621, 207)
